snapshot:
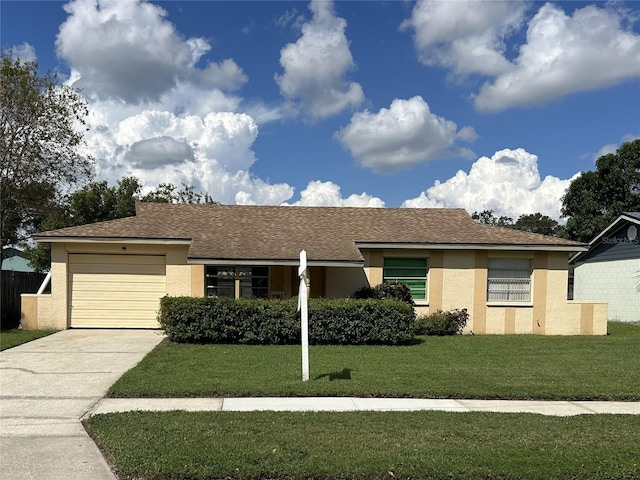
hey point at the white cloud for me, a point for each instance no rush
(127, 50)
(565, 54)
(315, 67)
(404, 134)
(25, 52)
(592, 48)
(328, 194)
(508, 183)
(465, 35)
(213, 153)
(611, 147)
(467, 134)
(158, 151)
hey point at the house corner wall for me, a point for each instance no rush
(178, 273)
(58, 304)
(197, 281)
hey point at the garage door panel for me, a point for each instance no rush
(96, 309)
(97, 259)
(117, 291)
(101, 296)
(88, 282)
(109, 270)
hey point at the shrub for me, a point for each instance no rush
(441, 323)
(252, 321)
(395, 291)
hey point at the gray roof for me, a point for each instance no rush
(278, 233)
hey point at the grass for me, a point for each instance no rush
(368, 445)
(506, 367)
(15, 337)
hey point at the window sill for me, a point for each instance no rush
(421, 303)
(509, 304)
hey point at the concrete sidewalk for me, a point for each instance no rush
(46, 386)
(350, 404)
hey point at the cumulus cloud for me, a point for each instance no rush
(592, 48)
(565, 54)
(315, 67)
(611, 147)
(226, 137)
(508, 183)
(466, 35)
(328, 194)
(127, 50)
(158, 151)
(212, 153)
(25, 52)
(404, 134)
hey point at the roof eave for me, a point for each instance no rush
(135, 240)
(274, 262)
(475, 246)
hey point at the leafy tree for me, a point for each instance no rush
(40, 145)
(596, 198)
(98, 202)
(537, 223)
(488, 218)
(534, 222)
(169, 193)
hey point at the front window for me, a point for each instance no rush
(254, 282)
(220, 281)
(237, 282)
(411, 271)
(509, 280)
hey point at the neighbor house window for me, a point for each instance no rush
(509, 280)
(237, 282)
(411, 271)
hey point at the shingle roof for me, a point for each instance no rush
(226, 232)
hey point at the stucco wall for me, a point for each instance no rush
(53, 309)
(343, 281)
(458, 279)
(36, 313)
(616, 282)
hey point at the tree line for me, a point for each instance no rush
(46, 176)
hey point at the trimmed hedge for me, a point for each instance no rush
(440, 323)
(276, 322)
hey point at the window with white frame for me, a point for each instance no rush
(252, 282)
(509, 280)
(410, 271)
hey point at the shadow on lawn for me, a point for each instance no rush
(344, 374)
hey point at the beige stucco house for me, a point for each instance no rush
(112, 274)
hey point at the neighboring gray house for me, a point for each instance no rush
(610, 269)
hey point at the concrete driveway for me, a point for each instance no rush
(46, 386)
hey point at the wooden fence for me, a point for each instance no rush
(12, 284)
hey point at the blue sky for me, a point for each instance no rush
(473, 104)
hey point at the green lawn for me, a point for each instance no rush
(368, 445)
(15, 337)
(507, 367)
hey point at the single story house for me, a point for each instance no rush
(112, 274)
(610, 268)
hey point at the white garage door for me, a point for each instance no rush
(116, 291)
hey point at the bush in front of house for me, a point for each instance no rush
(450, 322)
(395, 291)
(277, 322)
